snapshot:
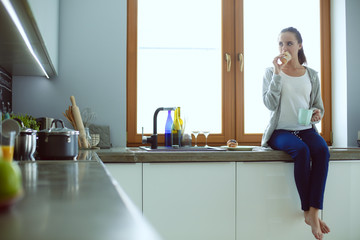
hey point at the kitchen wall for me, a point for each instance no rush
(92, 67)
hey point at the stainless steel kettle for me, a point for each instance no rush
(25, 143)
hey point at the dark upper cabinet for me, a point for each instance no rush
(40, 20)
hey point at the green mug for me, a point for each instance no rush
(304, 116)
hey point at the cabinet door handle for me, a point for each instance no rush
(241, 61)
(228, 62)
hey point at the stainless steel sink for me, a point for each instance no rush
(182, 149)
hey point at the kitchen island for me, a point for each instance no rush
(72, 200)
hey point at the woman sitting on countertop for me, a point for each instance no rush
(288, 86)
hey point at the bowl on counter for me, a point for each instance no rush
(95, 139)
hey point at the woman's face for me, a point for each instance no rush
(288, 42)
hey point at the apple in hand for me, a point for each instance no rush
(10, 183)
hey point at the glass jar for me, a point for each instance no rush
(88, 137)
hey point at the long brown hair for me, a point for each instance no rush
(301, 54)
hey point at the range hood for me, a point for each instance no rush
(15, 56)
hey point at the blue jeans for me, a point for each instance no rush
(311, 161)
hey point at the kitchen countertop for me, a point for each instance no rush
(136, 155)
(79, 200)
(72, 200)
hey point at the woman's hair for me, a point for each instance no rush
(301, 54)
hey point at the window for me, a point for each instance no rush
(210, 63)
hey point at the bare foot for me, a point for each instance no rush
(324, 227)
(312, 219)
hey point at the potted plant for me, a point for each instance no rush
(28, 120)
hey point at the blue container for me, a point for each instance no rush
(168, 125)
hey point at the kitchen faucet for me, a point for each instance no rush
(153, 139)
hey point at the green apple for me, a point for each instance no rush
(10, 182)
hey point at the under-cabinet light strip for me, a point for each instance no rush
(14, 17)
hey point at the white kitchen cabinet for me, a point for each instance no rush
(242, 200)
(190, 201)
(129, 177)
(268, 206)
(342, 200)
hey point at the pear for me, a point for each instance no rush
(11, 188)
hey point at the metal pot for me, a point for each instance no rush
(58, 143)
(25, 143)
(45, 122)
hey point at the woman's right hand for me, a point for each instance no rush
(278, 66)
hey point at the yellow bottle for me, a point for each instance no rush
(176, 129)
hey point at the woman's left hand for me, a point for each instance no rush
(316, 116)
